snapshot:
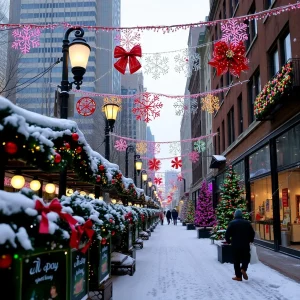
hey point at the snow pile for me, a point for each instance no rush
(118, 258)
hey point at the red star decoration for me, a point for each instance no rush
(154, 164)
(176, 163)
(158, 180)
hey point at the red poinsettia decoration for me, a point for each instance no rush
(154, 164)
(179, 177)
(176, 163)
(158, 180)
(229, 58)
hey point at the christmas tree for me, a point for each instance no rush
(190, 213)
(205, 216)
(231, 199)
(183, 210)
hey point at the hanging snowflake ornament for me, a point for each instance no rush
(176, 163)
(158, 180)
(187, 61)
(175, 148)
(194, 156)
(112, 100)
(229, 58)
(154, 164)
(86, 106)
(199, 146)
(128, 38)
(154, 148)
(26, 38)
(234, 32)
(179, 177)
(193, 106)
(210, 103)
(180, 107)
(156, 65)
(121, 145)
(147, 108)
(141, 147)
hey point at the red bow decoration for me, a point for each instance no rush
(227, 57)
(125, 56)
(86, 228)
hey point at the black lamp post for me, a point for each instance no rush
(149, 184)
(137, 163)
(184, 184)
(153, 190)
(78, 51)
(144, 177)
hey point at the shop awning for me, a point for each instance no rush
(217, 161)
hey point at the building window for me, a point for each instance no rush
(252, 27)
(240, 114)
(268, 3)
(286, 48)
(219, 139)
(232, 6)
(259, 162)
(254, 88)
(274, 62)
(223, 135)
(230, 126)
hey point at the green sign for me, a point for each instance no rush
(104, 267)
(79, 275)
(44, 276)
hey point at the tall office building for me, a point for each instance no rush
(170, 181)
(99, 76)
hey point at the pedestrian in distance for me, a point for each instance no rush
(168, 216)
(161, 217)
(174, 216)
(240, 234)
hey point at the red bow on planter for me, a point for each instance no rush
(125, 56)
(86, 228)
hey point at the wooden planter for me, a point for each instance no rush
(203, 233)
(225, 254)
(190, 226)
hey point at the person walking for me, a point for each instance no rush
(168, 216)
(174, 216)
(161, 216)
(240, 234)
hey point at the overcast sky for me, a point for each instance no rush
(164, 12)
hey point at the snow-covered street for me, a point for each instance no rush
(174, 264)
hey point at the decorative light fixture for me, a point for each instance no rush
(111, 112)
(129, 204)
(92, 196)
(144, 176)
(82, 193)
(18, 181)
(50, 188)
(113, 201)
(35, 185)
(138, 166)
(150, 183)
(101, 198)
(120, 202)
(69, 192)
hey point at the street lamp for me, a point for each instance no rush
(138, 164)
(144, 177)
(78, 51)
(153, 191)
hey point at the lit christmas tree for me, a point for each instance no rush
(205, 216)
(231, 199)
(190, 213)
(183, 211)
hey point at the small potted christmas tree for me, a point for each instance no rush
(205, 216)
(190, 215)
(183, 212)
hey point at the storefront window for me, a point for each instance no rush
(289, 196)
(219, 181)
(288, 147)
(239, 168)
(259, 162)
(262, 208)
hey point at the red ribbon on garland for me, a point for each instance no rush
(127, 57)
(86, 228)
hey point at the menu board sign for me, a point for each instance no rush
(44, 276)
(104, 267)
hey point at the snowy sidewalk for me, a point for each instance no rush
(174, 264)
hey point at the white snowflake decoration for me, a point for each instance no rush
(147, 108)
(121, 145)
(187, 62)
(175, 148)
(141, 147)
(157, 65)
(234, 32)
(199, 146)
(154, 148)
(194, 156)
(128, 39)
(194, 105)
(180, 107)
(26, 38)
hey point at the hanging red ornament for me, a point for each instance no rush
(103, 241)
(5, 261)
(158, 180)
(101, 168)
(98, 178)
(126, 57)
(86, 106)
(113, 181)
(11, 148)
(111, 221)
(176, 163)
(229, 58)
(75, 136)
(154, 164)
(67, 146)
(113, 233)
(57, 158)
(78, 149)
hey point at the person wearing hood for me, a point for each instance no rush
(240, 234)
(174, 216)
(168, 216)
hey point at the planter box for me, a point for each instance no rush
(190, 226)
(183, 223)
(203, 233)
(225, 254)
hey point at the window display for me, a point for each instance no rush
(259, 162)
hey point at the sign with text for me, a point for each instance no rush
(79, 276)
(104, 267)
(285, 197)
(44, 276)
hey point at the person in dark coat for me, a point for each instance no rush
(174, 216)
(240, 234)
(168, 216)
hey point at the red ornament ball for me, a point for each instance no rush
(113, 233)
(78, 149)
(75, 136)
(111, 221)
(113, 181)
(5, 261)
(103, 241)
(57, 158)
(11, 148)
(101, 168)
(98, 178)
(67, 146)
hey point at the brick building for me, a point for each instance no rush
(265, 150)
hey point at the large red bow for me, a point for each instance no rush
(86, 228)
(124, 56)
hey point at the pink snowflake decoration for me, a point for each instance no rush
(179, 177)
(194, 156)
(154, 148)
(128, 38)
(158, 180)
(154, 164)
(121, 145)
(234, 32)
(26, 38)
(147, 108)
